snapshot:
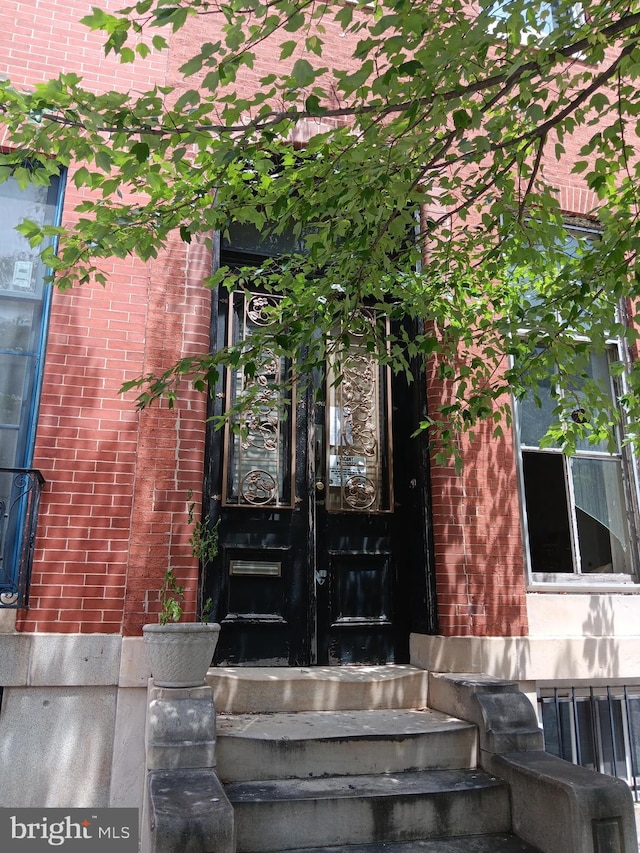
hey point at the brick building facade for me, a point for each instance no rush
(114, 510)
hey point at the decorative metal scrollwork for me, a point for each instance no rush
(260, 309)
(360, 492)
(258, 487)
(259, 460)
(358, 421)
(359, 405)
(20, 490)
(261, 420)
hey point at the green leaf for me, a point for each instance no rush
(287, 48)
(140, 151)
(344, 16)
(82, 177)
(313, 107)
(159, 42)
(461, 119)
(99, 20)
(303, 73)
(314, 45)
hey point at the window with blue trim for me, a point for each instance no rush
(532, 21)
(24, 310)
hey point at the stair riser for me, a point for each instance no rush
(242, 759)
(282, 825)
(245, 690)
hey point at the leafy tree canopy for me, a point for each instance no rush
(462, 110)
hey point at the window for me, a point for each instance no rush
(597, 727)
(537, 19)
(24, 303)
(575, 507)
(578, 515)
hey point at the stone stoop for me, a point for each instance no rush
(251, 690)
(502, 843)
(374, 771)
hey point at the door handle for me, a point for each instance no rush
(321, 576)
(319, 486)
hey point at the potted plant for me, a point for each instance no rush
(180, 653)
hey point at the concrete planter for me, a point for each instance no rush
(180, 653)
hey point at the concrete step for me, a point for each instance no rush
(251, 690)
(277, 815)
(309, 744)
(503, 843)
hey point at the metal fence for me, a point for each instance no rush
(597, 727)
(20, 490)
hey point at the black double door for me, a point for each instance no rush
(321, 504)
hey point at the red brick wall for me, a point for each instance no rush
(479, 556)
(114, 510)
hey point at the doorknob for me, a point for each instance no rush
(319, 486)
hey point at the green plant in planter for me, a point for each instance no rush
(180, 653)
(204, 541)
(171, 599)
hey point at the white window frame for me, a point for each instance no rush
(570, 581)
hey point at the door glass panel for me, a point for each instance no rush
(359, 446)
(600, 512)
(259, 458)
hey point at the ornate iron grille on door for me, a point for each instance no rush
(260, 454)
(359, 417)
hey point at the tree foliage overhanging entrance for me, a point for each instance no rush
(464, 110)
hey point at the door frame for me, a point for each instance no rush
(420, 611)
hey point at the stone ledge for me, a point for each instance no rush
(555, 805)
(504, 716)
(15, 652)
(189, 804)
(69, 659)
(561, 806)
(63, 660)
(531, 658)
(181, 728)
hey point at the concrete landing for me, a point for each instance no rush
(250, 690)
(281, 746)
(469, 844)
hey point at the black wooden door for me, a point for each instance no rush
(321, 503)
(371, 544)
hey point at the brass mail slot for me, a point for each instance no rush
(255, 567)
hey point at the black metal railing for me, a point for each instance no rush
(20, 490)
(597, 727)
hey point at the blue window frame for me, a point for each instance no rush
(25, 301)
